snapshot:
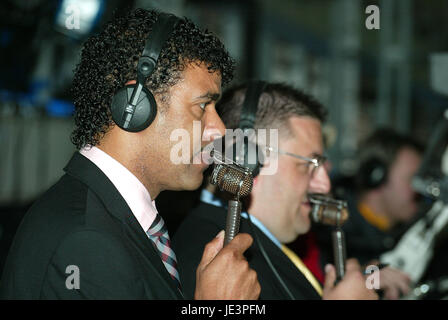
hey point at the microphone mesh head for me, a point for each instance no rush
(233, 180)
(328, 211)
(329, 215)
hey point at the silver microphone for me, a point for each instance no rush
(329, 211)
(236, 180)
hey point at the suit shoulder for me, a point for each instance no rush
(202, 220)
(57, 213)
(206, 213)
(198, 228)
(64, 200)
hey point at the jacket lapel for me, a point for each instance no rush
(136, 234)
(282, 262)
(86, 171)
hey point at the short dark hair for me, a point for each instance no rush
(276, 105)
(109, 60)
(384, 144)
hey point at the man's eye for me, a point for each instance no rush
(203, 105)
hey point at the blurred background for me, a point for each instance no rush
(393, 76)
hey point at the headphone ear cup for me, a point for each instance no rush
(145, 110)
(373, 174)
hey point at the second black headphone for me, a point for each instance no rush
(372, 173)
(133, 106)
(247, 121)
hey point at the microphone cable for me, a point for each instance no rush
(268, 261)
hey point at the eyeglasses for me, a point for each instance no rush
(312, 163)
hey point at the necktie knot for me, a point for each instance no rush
(158, 228)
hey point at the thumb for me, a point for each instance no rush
(330, 277)
(212, 249)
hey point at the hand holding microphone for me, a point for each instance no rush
(223, 272)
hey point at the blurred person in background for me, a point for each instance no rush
(381, 203)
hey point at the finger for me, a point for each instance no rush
(392, 277)
(403, 285)
(391, 293)
(385, 279)
(240, 243)
(212, 249)
(405, 278)
(398, 275)
(352, 265)
(330, 277)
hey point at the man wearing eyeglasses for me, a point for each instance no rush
(278, 204)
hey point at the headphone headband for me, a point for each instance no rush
(163, 28)
(247, 121)
(249, 111)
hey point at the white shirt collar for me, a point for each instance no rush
(131, 189)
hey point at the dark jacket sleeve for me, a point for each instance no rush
(91, 265)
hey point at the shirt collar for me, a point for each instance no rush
(131, 189)
(380, 222)
(210, 198)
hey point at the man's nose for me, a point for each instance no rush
(213, 127)
(320, 181)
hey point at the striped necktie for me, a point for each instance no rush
(158, 234)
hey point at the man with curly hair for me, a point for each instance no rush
(91, 235)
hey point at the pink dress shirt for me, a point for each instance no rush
(131, 189)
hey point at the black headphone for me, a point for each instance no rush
(133, 107)
(247, 121)
(372, 173)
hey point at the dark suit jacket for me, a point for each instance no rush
(84, 221)
(204, 223)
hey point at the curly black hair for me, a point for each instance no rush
(109, 60)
